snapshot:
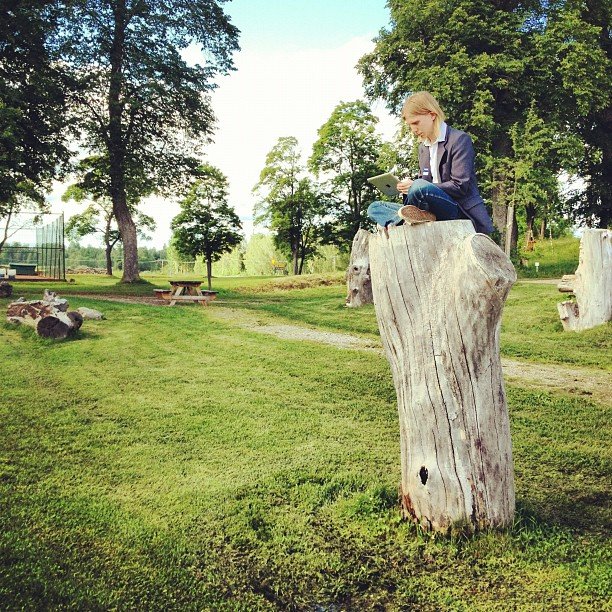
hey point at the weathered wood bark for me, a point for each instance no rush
(117, 145)
(592, 283)
(358, 281)
(439, 291)
(49, 316)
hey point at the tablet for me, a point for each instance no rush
(386, 183)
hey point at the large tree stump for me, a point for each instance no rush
(592, 284)
(49, 316)
(358, 282)
(439, 291)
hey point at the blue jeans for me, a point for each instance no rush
(423, 195)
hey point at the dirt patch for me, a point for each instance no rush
(296, 282)
(251, 321)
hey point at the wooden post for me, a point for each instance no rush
(439, 290)
(358, 281)
(592, 283)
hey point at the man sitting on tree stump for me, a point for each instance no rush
(446, 188)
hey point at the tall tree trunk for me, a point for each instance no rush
(295, 261)
(543, 228)
(530, 218)
(500, 200)
(209, 271)
(109, 261)
(499, 209)
(6, 226)
(605, 212)
(439, 291)
(116, 149)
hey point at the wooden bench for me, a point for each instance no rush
(567, 283)
(207, 296)
(204, 298)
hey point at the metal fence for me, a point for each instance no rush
(37, 248)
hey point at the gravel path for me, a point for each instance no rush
(567, 379)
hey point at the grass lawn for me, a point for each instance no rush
(556, 258)
(166, 460)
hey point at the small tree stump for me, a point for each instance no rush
(6, 289)
(592, 284)
(49, 316)
(358, 281)
(439, 291)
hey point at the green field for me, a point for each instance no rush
(169, 459)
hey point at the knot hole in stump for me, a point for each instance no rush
(423, 473)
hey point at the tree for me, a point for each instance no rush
(141, 104)
(488, 62)
(572, 66)
(347, 150)
(401, 155)
(206, 226)
(259, 254)
(290, 202)
(535, 188)
(33, 111)
(99, 216)
(473, 60)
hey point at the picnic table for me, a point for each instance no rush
(186, 291)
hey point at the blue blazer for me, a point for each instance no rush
(457, 176)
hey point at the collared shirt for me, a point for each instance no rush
(433, 153)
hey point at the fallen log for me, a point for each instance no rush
(358, 281)
(592, 283)
(49, 316)
(439, 290)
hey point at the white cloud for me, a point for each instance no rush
(273, 94)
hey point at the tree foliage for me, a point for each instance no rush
(33, 111)
(489, 63)
(291, 204)
(347, 152)
(141, 104)
(573, 65)
(206, 226)
(539, 154)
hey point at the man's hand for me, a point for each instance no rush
(404, 185)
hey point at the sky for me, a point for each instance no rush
(296, 63)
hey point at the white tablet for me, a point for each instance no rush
(386, 183)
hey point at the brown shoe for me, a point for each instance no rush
(413, 215)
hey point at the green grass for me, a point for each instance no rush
(531, 329)
(164, 460)
(100, 284)
(556, 258)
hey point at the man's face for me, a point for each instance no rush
(421, 125)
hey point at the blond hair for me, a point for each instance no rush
(423, 103)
